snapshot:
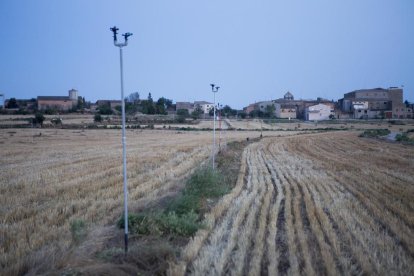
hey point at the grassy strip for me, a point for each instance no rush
(182, 216)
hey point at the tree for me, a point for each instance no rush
(39, 118)
(12, 103)
(269, 111)
(256, 113)
(181, 115)
(407, 103)
(150, 98)
(228, 111)
(105, 109)
(97, 118)
(147, 107)
(81, 103)
(197, 112)
(183, 112)
(132, 98)
(162, 105)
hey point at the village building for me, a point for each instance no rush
(61, 103)
(285, 111)
(184, 105)
(250, 108)
(319, 112)
(374, 104)
(205, 106)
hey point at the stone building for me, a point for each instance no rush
(61, 103)
(375, 103)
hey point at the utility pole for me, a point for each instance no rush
(120, 45)
(214, 89)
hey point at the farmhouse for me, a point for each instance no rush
(61, 103)
(184, 105)
(318, 112)
(375, 103)
(288, 107)
(285, 111)
(205, 106)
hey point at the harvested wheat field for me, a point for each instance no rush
(312, 205)
(50, 178)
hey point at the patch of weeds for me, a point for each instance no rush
(108, 254)
(373, 133)
(182, 216)
(183, 225)
(404, 138)
(396, 122)
(163, 223)
(78, 230)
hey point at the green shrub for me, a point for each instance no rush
(403, 138)
(372, 133)
(183, 225)
(78, 230)
(97, 118)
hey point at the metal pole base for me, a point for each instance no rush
(126, 243)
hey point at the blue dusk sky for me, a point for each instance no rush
(255, 50)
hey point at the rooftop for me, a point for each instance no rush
(53, 98)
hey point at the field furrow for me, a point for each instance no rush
(323, 204)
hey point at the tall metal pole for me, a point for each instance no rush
(120, 45)
(214, 89)
(124, 154)
(214, 128)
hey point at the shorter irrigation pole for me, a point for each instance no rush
(214, 89)
(120, 45)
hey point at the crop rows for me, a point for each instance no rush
(312, 204)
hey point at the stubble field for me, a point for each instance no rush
(312, 205)
(50, 178)
(327, 203)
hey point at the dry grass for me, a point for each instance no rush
(328, 203)
(52, 179)
(313, 204)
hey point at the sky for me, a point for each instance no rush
(254, 50)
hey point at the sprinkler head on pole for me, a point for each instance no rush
(126, 35)
(114, 29)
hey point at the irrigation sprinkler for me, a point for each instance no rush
(121, 45)
(219, 107)
(214, 89)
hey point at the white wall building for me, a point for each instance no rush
(318, 112)
(205, 106)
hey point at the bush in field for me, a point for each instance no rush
(97, 118)
(403, 138)
(372, 133)
(78, 230)
(39, 118)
